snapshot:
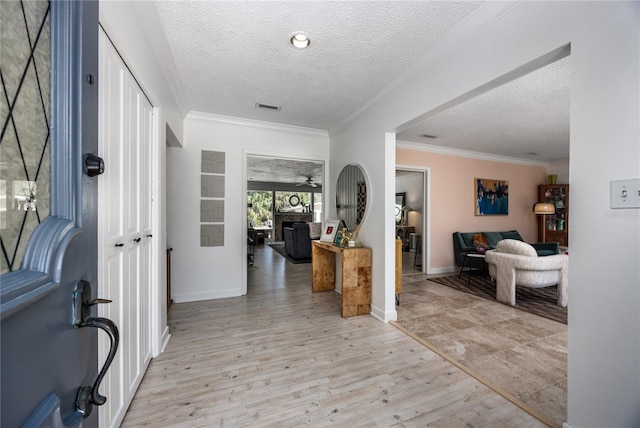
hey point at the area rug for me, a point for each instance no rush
(279, 248)
(538, 301)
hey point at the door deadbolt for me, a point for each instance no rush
(94, 165)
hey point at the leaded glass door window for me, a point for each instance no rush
(25, 58)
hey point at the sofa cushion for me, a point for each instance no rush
(468, 239)
(544, 253)
(513, 246)
(493, 238)
(512, 234)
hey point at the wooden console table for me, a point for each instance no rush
(356, 275)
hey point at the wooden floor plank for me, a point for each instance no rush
(284, 357)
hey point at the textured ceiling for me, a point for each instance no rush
(527, 118)
(230, 55)
(261, 168)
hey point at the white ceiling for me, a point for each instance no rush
(527, 118)
(230, 55)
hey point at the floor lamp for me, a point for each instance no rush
(544, 209)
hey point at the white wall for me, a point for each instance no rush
(561, 169)
(604, 308)
(129, 31)
(201, 273)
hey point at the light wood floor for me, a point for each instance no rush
(282, 356)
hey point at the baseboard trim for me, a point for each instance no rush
(383, 316)
(196, 297)
(507, 395)
(567, 425)
(446, 269)
(164, 340)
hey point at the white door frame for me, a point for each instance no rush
(426, 213)
(243, 208)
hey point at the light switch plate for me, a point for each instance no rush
(625, 193)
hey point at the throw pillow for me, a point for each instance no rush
(479, 241)
(315, 230)
(493, 238)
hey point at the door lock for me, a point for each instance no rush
(94, 165)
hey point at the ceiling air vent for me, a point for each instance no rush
(428, 136)
(268, 107)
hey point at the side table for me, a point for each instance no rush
(473, 261)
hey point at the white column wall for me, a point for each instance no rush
(201, 273)
(604, 308)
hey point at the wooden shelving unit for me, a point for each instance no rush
(557, 225)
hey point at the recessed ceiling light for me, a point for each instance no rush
(299, 40)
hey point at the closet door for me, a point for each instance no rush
(111, 220)
(125, 224)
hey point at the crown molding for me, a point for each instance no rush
(251, 123)
(429, 148)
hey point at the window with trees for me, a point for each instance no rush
(260, 208)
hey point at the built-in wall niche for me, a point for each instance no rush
(212, 181)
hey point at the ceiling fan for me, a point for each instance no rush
(308, 182)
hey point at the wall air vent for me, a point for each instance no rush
(267, 107)
(428, 136)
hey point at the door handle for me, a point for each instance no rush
(88, 395)
(119, 245)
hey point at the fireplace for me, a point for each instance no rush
(282, 220)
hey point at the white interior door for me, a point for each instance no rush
(125, 223)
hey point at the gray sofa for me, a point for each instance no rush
(297, 241)
(463, 243)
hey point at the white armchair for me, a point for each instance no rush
(517, 263)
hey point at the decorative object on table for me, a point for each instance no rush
(329, 230)
(491, 197)
(544, 209)
(355, 235)
(552, 178)
(346, 237)
(338, 238)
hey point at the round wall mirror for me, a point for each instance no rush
(351, 195)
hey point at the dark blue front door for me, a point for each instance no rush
(45, 358)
